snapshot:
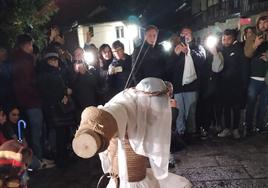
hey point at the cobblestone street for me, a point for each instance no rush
(211, 163)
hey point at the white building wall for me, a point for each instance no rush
(219, 27)
(106, 33)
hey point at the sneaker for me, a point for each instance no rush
(236, 134)
(225, 133)
(46, 164)
(263, 129)
(203, 133)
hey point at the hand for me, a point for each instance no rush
(173, 103)
(181, 48)
(258, 41)
(59, 39)
(264, 57)
(2, 117)
(67, 55)
(53, 34)
(64, 100)
(69, 91)
(89, 36)
(111, 70)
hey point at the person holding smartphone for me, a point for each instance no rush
(255, 48)
(185, 93)
(119, 69)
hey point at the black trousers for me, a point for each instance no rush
(62, 141)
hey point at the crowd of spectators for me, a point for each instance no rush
(49, 88)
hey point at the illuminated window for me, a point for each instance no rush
(119, 32)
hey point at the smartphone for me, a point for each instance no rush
(182, 40)
(118, 69)
(90, 29)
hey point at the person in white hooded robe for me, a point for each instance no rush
(143, 114)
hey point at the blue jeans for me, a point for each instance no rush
(186, 103)
(256, 88)
(35, 116)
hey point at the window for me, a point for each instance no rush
(119, 32)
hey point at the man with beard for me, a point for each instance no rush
(186, 55)
(232, 82)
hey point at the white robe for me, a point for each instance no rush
(147, 122)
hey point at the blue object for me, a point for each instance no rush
(23, 123)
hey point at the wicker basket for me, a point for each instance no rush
(96, 129)
(99, 121)
(136, 164)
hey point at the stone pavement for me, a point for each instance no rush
(214, 163)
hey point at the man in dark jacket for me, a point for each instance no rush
(148, 57)
(26, 93)
(233, 84)
(208, 105)
(185, 94)
(119, 69)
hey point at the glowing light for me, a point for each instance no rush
(132, 31)
(89, 57)
(167, 45)
(211, 41)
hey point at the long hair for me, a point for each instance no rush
(102, 60)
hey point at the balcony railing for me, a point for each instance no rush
(228, 9)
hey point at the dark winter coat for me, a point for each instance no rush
(24, 80)
(175, 68)
(86, 89)
(209, 80)
(53, 89)
(233, 78)
(151, 63)
(51, 84)
(118, 80)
